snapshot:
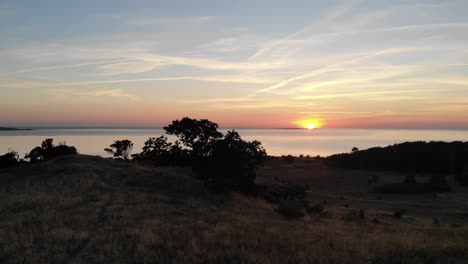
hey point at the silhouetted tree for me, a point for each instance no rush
(121, 149)
(222, 162)
(194, 134)
(355, 149)
(230, 162)
(159, 151)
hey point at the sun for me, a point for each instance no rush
(309, 123)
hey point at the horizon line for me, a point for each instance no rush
(229, 128)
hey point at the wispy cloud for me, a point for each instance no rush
(226, 79)
(119, 93)
(362, 94)
(66, 66)
(347, 60)
(171, 21)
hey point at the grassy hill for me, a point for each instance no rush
(85, 209)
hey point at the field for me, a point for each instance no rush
(85, 209)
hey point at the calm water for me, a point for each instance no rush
(276, 141)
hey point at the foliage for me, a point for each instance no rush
(194, 134)
(223, 162)
(9, 160)
(48, 151)
(160, 152)
(121, 149)
(230, 162)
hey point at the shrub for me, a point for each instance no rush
(120, 149)
(48, 151)
(9, 160)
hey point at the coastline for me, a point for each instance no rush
(14, 129)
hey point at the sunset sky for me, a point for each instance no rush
(352, 64)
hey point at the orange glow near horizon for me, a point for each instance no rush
(310, 123)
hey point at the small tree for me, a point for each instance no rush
(120, 149)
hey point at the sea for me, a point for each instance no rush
(277, 142)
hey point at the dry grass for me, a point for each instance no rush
(87, 209)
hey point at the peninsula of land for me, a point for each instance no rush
(13, 129)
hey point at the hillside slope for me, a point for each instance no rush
(85, 209)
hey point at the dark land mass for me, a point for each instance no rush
(13, 129)
(86, 209)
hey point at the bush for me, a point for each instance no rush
(120, 149)
(9, 160)
(49, 151)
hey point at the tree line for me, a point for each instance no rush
(433, 157)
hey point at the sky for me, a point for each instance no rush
(258, 64)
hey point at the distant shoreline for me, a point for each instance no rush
(13, 129)
(226, 128)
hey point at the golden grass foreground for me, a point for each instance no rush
(85, 209)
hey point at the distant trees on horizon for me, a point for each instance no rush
(414, 157)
